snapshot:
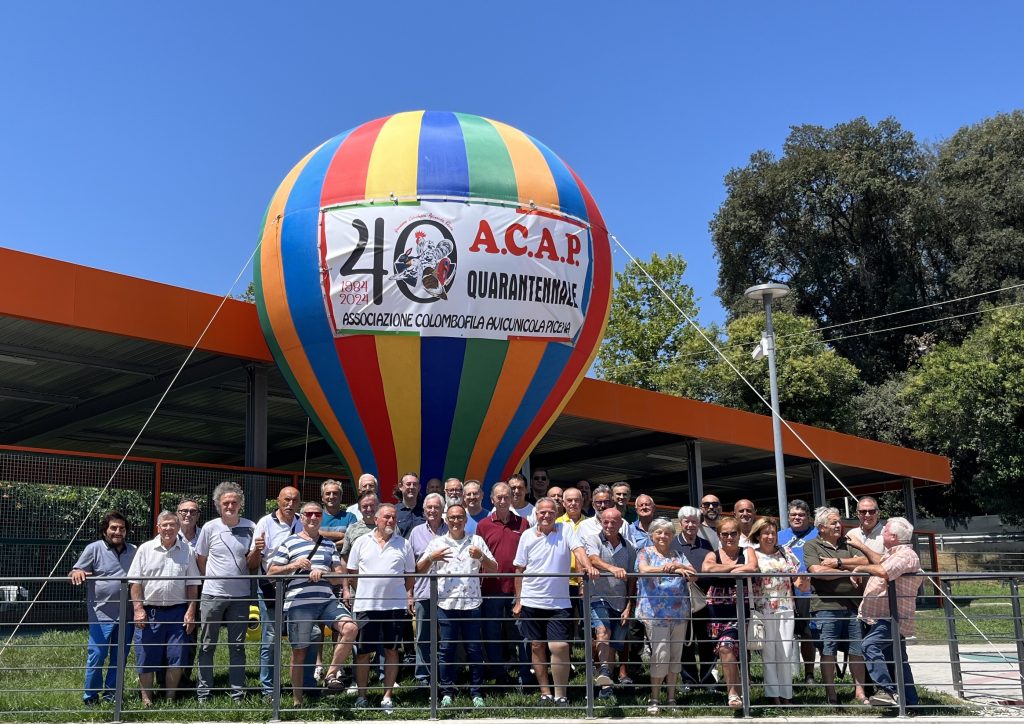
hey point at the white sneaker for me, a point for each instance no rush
(386, 705)
(318, 674)
(352, 690)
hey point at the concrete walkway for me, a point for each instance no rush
(989, 679)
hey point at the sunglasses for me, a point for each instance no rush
(729, 534)
(873, 511)
(188, 511)
(313, 514)
(711, 505)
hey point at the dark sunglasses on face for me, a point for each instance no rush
(873, 511)
(711, 505)
(313, 514)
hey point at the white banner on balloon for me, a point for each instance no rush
(454, 269)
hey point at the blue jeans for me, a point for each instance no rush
(103, 647)
(878, 660)
(498, 630)
(454, 627)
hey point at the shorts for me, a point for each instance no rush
(839, 631)
(380, 628)
(161, 643)
(545, 624)
(604, 616)
(303, 618)
(725, 635)
(804, 625)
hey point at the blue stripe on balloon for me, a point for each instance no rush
(570, 200)
(443, 168)
(441, 360)
(551, 366)
(301, 262)
(588, 283)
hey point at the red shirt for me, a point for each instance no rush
(503, 540)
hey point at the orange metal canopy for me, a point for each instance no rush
(50, 291)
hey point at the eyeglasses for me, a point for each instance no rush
(188, 511)
(729, 534)
(313, 514)
(602, 502)
(873, 511)
(715, 504)
(456, 517)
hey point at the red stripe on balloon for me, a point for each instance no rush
(586, 344)
(358, 357)
(345, 179)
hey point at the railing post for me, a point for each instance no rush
(275, 711)
(897, 648)
(741, 660)
(1018, 629)
(588, 645)
(435, 650)
(122, 632)
(954, 644)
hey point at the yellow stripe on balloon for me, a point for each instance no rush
(279, 315)
(521, 362)
(394, 161)
(533, 175)
(398, 358)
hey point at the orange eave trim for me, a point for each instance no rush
(57, 292)
(599, 400)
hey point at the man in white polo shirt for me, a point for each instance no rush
(383, 603)
(542, 600)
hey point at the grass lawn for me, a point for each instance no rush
(41, 680)
(985, 604)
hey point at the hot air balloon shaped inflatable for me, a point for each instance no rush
(434, 286)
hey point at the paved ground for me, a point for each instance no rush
(991, 676)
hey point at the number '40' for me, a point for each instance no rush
(377, 271)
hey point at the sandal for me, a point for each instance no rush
(546, 700)
(652, 706)
(735, 702)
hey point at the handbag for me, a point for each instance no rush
(755, 631)
(698, 599)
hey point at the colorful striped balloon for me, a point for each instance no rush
(436, 405)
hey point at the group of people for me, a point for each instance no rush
(508, 585)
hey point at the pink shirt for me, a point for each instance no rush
(896, 561)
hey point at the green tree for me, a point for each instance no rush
(816, 385)
(980, 171)
(646, 333)
(846, 216)
(967, 402)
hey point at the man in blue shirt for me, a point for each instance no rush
(409, 509)
(111, 555)
(801, 530)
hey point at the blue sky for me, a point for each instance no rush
(147, 138)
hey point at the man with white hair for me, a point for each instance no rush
(899, 559)
(869, 532)
(226, 549)
(699, 647)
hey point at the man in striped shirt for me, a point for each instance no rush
(309, 600)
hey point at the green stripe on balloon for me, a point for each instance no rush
(491, 174)
(480, 372)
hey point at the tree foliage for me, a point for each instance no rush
(645, 330)
(843, 218)
(967, 402)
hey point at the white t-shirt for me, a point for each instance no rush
(276, 531)
(368, 557)
(459, 588)
(551, 553)
(526, 512)
(226, 549)
(872, 540)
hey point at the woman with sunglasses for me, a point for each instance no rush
(722, 601)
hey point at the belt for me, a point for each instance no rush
(164, 608)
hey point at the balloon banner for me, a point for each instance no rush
(433, 286)
(461, 270)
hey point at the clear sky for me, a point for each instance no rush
(147, 138)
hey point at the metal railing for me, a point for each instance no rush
(954, 626)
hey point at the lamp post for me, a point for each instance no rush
(767, 293)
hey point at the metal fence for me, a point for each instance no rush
(955, 665)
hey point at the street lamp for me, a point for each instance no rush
(767, 293)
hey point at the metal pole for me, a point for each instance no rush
(434, 650)
(954, 644)
(897, 646)
(1018, 630)
(741, 662)
(588, 646)
(275, 705)
(122, 632)
(780, 467)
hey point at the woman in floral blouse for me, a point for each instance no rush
(664, 607)
(774, 601)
